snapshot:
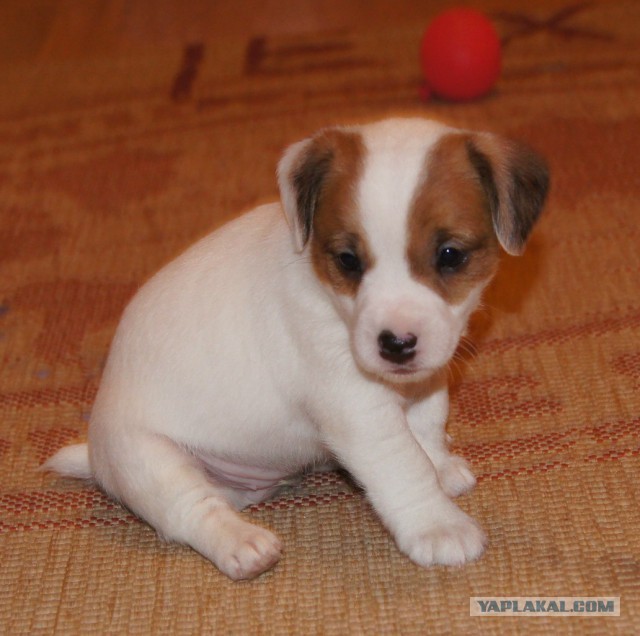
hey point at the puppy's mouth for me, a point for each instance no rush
(407, 373)
(397, 362)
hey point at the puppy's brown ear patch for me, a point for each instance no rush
(307, 180)
(306, 171)
(515, 180)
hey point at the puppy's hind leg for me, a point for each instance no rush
(166, 486)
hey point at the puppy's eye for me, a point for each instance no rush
(450, 259)
(349, 263)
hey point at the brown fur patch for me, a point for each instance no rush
(336, 227)
(451, 208)
(516, 180)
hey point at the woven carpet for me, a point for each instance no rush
(109, 166)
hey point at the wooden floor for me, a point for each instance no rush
(54, 29)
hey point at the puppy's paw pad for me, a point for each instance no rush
(455, 476)
(449, 543)
(252, 552)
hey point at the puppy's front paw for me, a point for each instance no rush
(450, 542)
(455, 476)
(248, 552)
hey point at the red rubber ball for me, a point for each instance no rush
(460, 54)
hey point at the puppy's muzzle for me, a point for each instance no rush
(397, 349)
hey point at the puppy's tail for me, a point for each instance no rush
(71, 461)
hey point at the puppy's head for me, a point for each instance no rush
(403, 221)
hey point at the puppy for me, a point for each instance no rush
(311, 331)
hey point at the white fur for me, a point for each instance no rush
(233, 370)
(71, 461)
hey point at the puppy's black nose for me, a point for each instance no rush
(397, 349)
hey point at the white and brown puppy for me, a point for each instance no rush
(311, 331)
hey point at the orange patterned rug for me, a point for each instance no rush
(111, 165)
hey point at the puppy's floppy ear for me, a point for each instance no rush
(301, 173)
(515, 180)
